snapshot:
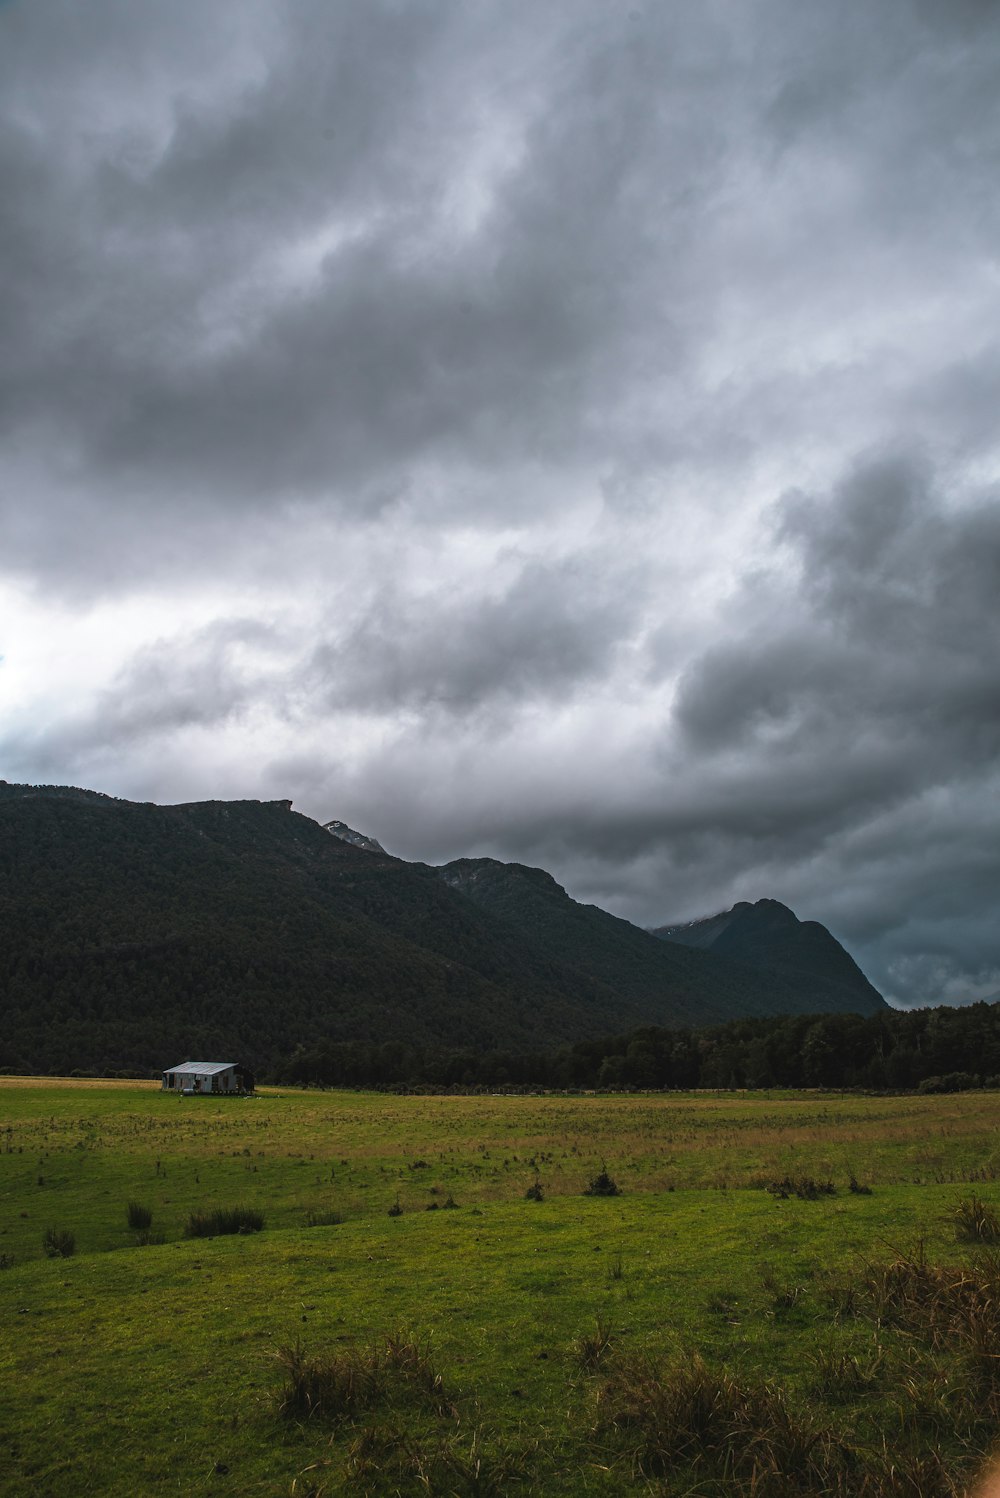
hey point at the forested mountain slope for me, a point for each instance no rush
(770, 938)
(630, 960)
(134, 935)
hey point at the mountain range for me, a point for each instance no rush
(132, 935)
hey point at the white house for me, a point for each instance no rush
(208, 1076)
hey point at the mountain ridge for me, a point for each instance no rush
(130, 930)
(767, 936)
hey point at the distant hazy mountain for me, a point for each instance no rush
(770, 938)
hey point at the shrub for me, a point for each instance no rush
(6, 1261)
(146, 1238)
(602, 1184)
(804, 1187)
(534, 1192)
(396, 1210)
(975, 1222)
(223, 1220)
(59, 1243)
(140, 1218)
(953, 1081)
(855, 1187)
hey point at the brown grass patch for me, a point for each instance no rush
(339, 1385)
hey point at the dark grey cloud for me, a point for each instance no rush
(566, 432)
(184, 345)
(880, 667)
(835, 746)
(283, 285)
(883, 651)
(554, 629)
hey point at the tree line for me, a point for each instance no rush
(940, 1049)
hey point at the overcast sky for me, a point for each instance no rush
(567, 432)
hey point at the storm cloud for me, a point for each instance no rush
(566, 433)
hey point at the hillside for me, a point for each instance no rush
(134, 935)
(630, 961)
(769, 938)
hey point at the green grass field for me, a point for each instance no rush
(566, 1332)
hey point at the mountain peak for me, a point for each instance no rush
(356, 839)
(770, 911)
(769, 937)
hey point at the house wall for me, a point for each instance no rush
(224, 1081)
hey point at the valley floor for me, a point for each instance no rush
(503, 1344)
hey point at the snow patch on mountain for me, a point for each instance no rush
(356, 839)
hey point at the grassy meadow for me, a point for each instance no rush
(696, 1334)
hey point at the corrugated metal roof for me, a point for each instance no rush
(201, 1068)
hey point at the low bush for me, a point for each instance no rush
(804, 1187)
(534, 1192)
(147, 1238)
(139, 1217)
(953, 1081)
(223, 1220)
(602, 1184)
(59, 1243)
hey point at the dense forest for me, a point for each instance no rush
(761, 957)
(942, 1049)
(135, 936)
